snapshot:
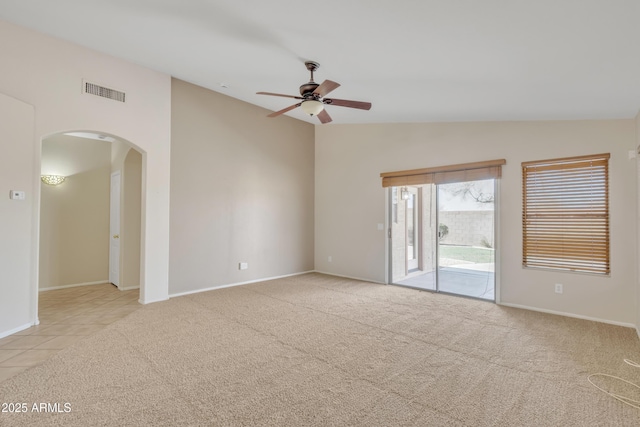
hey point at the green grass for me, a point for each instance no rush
(467, 253)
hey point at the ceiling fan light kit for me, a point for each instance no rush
(312, 96)
(312, 107)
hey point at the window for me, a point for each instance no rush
(565, 214)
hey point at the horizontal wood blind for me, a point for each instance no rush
(444, 174)
(565, 214)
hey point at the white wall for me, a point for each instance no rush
(241, 191)
(46, 73)
(17, 221)
(350, 201)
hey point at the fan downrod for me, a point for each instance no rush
(307, 89)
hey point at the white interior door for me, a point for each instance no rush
(114, 230)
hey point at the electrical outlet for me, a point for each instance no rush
(243, 266)
(558, 288)
(329, 258)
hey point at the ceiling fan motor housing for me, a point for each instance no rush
(308, 88)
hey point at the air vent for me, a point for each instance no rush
(105, 92)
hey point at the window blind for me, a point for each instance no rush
(565, 214)
(444, 174)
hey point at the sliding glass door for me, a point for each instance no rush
(442, 237)
(412, 235)
(466, 245)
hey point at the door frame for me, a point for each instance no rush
(114, 231)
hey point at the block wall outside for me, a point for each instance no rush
(468, 228)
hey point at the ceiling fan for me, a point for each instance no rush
(312, 96)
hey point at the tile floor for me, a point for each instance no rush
(66, 316)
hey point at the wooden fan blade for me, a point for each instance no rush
(346, 103)
(324, 116)
(326, 87)
(279, 94)
(277, 113)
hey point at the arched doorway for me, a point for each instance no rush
(75, 215)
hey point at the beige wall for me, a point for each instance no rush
(74, 216)
(350, 201)
(241, 191)
(46, 74)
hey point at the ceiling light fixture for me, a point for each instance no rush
(312, 107)
(52, 179)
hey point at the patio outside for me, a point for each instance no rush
(464, 270)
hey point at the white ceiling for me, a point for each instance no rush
(415, 60)
(70, 155)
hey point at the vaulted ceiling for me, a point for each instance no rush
(415, 60)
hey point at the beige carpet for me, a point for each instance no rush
(324, 351)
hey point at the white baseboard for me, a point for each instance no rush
(151, 301)
(16, 330)
(129, 288)
(576, 316)
(53, 288)
(237, 284)
(349, 277)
